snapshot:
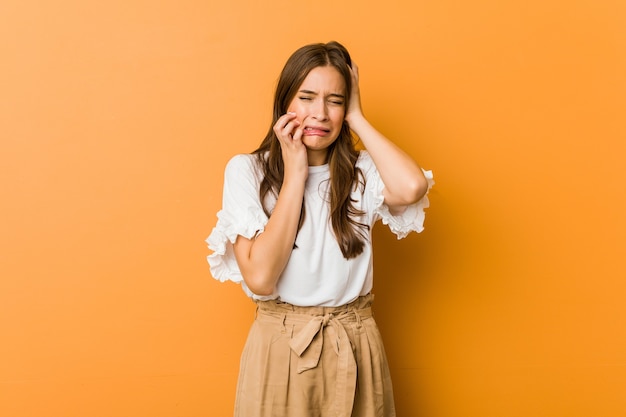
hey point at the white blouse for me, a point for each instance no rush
(316, 274)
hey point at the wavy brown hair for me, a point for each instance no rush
(342, 155)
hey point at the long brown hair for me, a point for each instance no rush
(342, 155)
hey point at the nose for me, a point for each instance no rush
(319, 110)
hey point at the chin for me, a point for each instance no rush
(317, 143)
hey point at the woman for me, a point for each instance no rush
(295, 231)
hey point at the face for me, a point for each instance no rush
(319, 105)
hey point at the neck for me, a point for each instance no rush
(317, 158)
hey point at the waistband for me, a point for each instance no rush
(362, 302)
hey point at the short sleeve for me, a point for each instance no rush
(411, 220)
(241, 214)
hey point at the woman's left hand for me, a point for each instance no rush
(354, 109)
(404, 180)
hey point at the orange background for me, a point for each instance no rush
(116, 121)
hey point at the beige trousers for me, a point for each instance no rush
(314, 362)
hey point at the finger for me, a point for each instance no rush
(286, 135)
(282, 121)
(283, 124)
(297, 135)
(355, 69)
(289, 128)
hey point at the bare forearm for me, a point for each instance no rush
(263, 259)
(403, 178)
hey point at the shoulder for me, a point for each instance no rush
(241, 160)
(242, 164)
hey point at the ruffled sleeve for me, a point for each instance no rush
(411, 220)
(241, 214)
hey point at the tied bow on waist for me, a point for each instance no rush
(308, 344)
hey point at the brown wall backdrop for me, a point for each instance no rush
(116, 121)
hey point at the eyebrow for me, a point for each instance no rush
(314, 93)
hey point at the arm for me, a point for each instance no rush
(404, 180)
(261, 260)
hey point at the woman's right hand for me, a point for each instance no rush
(289, 134)
(262, 259)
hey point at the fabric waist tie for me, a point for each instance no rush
(309, 341)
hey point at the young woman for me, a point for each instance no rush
(295, 231)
